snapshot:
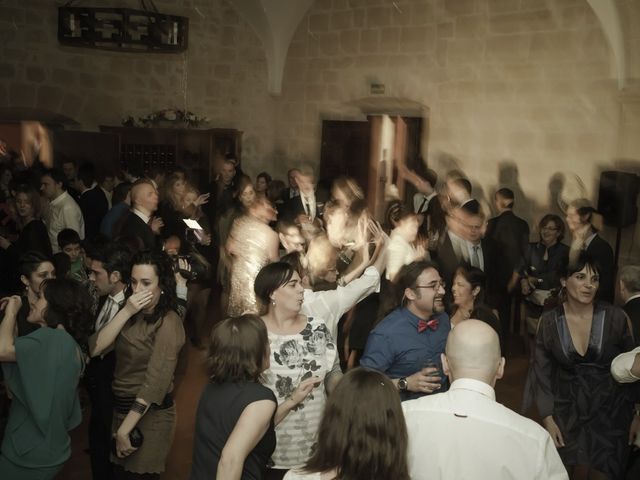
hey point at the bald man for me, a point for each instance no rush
(139, 222)
(464, 433)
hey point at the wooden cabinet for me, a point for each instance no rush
(198, 151)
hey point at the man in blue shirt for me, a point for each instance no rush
(406, 345)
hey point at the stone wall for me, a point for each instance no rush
(524, 82)
(518, 92)
(221, 76)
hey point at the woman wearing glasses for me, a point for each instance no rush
(586, 412)
(539, 272)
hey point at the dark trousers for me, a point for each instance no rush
(99, 376)
(275, 474)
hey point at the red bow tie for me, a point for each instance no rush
(423, 325)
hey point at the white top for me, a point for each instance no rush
(422, 200)
(480, 254)
(294, 475)
(309, 204)
(399, 253)
(295, 358)
(621, 366)
(332, 304)
(63, 213)
(109, 309)
(465, 434)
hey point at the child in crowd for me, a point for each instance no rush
(70, 244)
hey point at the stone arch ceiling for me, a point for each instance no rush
(275, 22)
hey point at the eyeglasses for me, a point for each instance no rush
(433, 285)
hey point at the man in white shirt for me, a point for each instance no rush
(464, 433)
(63, 211)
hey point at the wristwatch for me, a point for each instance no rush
(402, 384)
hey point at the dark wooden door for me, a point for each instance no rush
(345, 151)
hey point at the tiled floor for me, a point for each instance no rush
(508, 391)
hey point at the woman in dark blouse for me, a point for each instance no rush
(587, 413)
(539, 272)
(468, 289)
(235, 434)
(33, 234)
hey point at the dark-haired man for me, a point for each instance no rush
(409, 339)
(63, 211)
(92, 200)
(109, 272)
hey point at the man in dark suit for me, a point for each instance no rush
(109, 272)
(507, 228)
(92, 200)
(511, 232)
(308, 207)
(598, 249)
(464, 243)
(629, 278)
(139, 222)
(292, 190)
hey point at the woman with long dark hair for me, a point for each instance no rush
(587, 413)
(42, 370)
(359, 442)
(147, 335)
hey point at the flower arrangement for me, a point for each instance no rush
(169, 117)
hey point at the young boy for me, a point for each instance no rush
(70, 244)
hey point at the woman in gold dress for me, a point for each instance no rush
(252, 244)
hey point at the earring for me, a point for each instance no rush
(273, 302)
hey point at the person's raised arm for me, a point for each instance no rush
(250, 428)
(11, 306)
(102, 340)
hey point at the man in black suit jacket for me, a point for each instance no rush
(463, 243)
(309, 205)
(92, 200)
(508, 229)
(598, 249)
(630, 295)
(138, 222)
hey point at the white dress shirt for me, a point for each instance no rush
(309, 204)
(399, 253)
(143, 217)
(332, 304)
(111, 306)
(480, 254)
(421, 201)
(621, 366)
(63, 213)
(465, 434)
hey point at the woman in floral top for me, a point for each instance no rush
(302, 353)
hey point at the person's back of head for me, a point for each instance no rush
(121, 193)
(629, 281)
(505, 199)
(359, 442)
(473, 351)
(87, 174)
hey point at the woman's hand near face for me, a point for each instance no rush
(138, 301)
